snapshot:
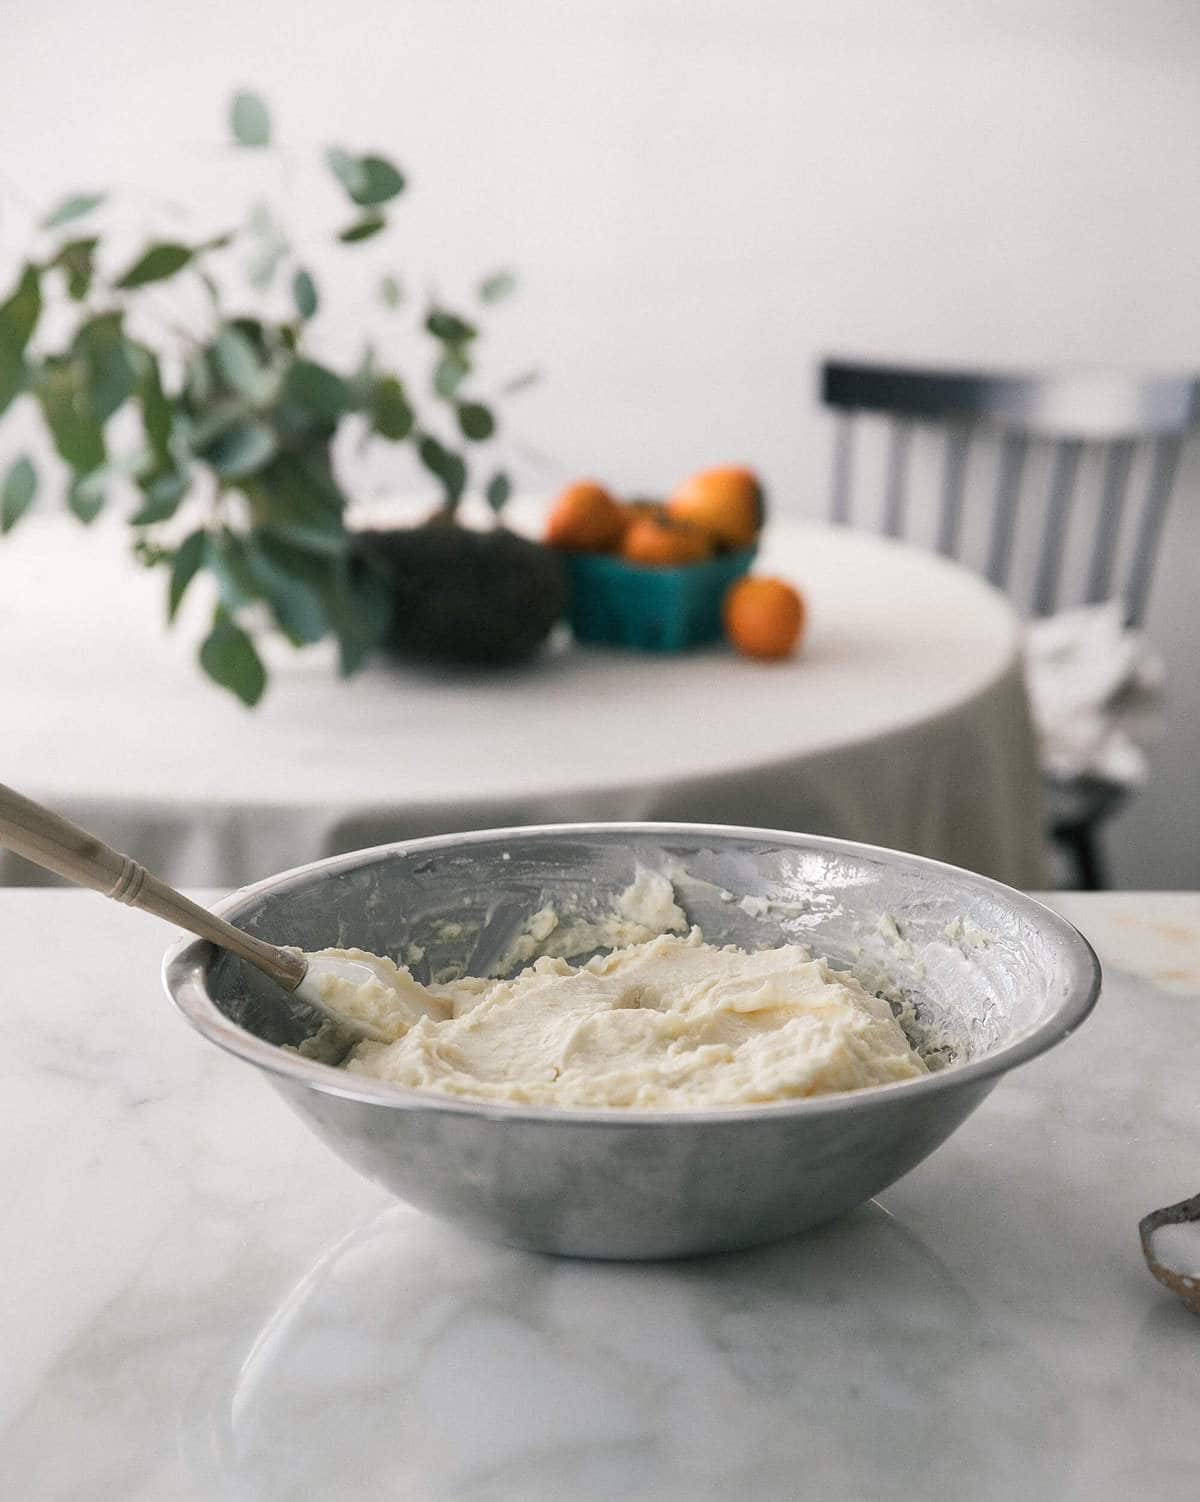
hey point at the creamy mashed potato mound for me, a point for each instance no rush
(671, 1023)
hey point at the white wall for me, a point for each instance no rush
(701, 197)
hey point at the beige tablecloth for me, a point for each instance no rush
(903, 722)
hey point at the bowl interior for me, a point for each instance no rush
(971, 967)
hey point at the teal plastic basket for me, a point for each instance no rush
(619, 604)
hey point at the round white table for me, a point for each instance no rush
(903, 722)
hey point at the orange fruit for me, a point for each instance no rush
(763, 617)
(726, 503)
(585, 519)
(659, 541)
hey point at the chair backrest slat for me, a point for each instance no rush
(1062, 487)
(1013, 448)
(1073, 410)
(895, 496)
(1162, 476)
(1108, 525)
(954, 472)
(843, 469)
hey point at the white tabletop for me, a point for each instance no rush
(902, 722)
(197, 1301)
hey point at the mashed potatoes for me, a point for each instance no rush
(671, 1023)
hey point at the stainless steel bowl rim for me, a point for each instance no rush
(186, 963)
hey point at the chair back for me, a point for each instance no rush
(1118, 416)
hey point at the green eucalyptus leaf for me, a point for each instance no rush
(496, 287)
(362, 382)
(363, 229)
(228, 561)
(108, 361)
(18, 319)
(317, 389)
(499, 489)
(304, 294)
(348, 170)
(521, 382)
(450, 372)
(229, 658)
(76, 260)
(476, 421)
(369, 180)
(65, 398)
(155, 265)
(241, 449)
(215, 420)
(449, 328)
(284, 578)
(249, 120)
(198, 379)
(238, 364)
(446, 465)
(391, 415)
(391, 292)
(75, 206)
(382, 181)
(163, 493)
(358, 604)
(189, 558)
(156, 409)
(87, 494)
(297, 500)
(16, 496)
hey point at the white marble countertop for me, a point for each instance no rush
(198, 1302)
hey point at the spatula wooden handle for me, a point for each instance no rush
(55, 843)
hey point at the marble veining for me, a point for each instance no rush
(198, 1302)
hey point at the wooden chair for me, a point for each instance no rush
(1124, 421)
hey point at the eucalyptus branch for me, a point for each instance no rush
(249, 413)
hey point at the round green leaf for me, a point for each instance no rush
(450, 372)
(66, 405)
(86, 495)
(391, 293)
(304, 294)
(497, 286)
(382, 181)
(391, 415)
(317, 389)
(249, 120)
(498, 491)
(448, 466)
(16, 497)
(241, 449)
(76, 260)
(227, 655)
(369, 180)
(476, 421)
(449, 328)
(239, 366)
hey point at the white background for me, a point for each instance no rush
(701, 199)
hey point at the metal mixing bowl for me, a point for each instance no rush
(989, 973)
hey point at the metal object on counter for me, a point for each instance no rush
(994, 972)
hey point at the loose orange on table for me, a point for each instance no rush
(585, 519)
(727, 503)
(659, 541)
(763, 617)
